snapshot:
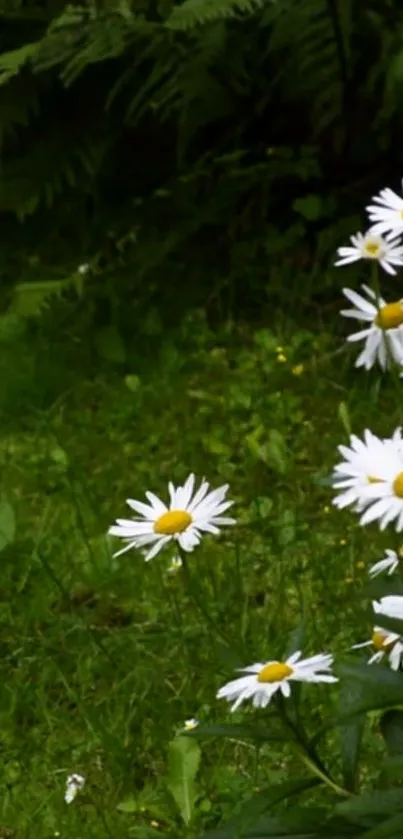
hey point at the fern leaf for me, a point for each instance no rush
(29, 298)
(194, 12)
(11, 63)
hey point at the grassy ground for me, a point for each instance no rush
(103, 659)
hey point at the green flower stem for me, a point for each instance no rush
(306, 752)
(194, 593)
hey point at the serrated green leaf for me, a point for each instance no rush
(7, 524)
(183, 765)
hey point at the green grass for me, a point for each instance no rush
(103, 659)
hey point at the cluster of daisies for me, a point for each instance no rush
(382, 321)
(188, 515)
(370, 478)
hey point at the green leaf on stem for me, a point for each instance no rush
(234, 731)
(370, 688)
(183, 765)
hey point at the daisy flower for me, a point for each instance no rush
(391, 606)
(387, 250)
(184, 520)
(190, 725)
(389, 564)
(74, 784)
(386, 212)
(386, 644)
(383, 334)
(262, 681)
(356, 471)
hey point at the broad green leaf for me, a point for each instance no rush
(183, 764)
(395, 624)
(310, 207)
(233, 731)
(7, 524)
(391, 726)
(128, 805)
(381, 586)
(110, 345)
(390, 829)
(371, 688)
(247, 822)
(371, 803)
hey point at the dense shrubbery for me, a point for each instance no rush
(237, 137)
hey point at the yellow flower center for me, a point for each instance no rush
(397, 485)
(174, 521)
(390, 316)
(372, 249)
(378, 641)
(275, 672)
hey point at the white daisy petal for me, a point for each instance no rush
(387, 213)
(389, 564)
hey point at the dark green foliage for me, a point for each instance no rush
(239, 135)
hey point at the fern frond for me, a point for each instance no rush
(29, 298)
(195, 12)
(304, 41)
(11, 63)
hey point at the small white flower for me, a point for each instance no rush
(391, 606)
(83, 269)
(264, 680)
(383, 334)
(175, 565)
(74, 784)
(190, 725)
(358, 469)
(386, 212)
(387, 250)
(386, 644)
(184, 520)
(389, 564)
